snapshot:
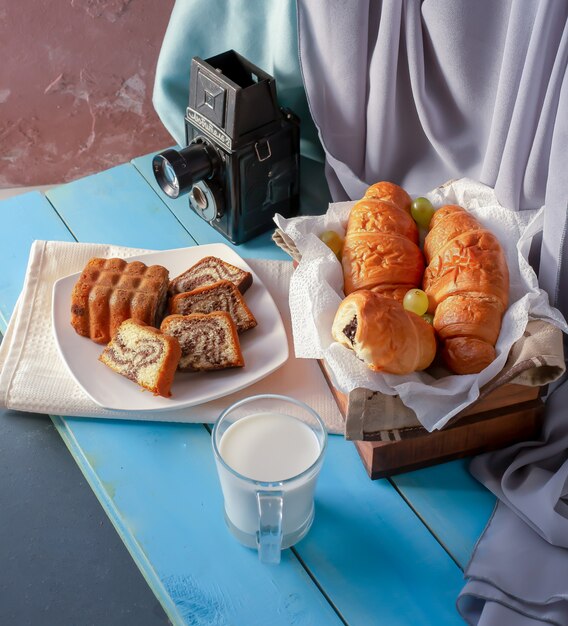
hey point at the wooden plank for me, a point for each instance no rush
(472, 435)
(159, 485)
(24, 218)
(113, 207)
(133, 496)
(452, 504)
(133, 510)
(371, 556)
(142, 458)
(506, 395)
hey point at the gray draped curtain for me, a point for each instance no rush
(421, 92)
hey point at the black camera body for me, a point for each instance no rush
(242, 160)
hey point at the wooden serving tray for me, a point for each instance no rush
(508, 414)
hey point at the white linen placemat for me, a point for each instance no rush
(34, 378)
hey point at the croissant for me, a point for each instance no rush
(391, 193)
(467, 283)
(381, 250)
(383, 334)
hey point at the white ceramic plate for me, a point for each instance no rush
(265, 347)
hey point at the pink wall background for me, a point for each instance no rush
(76, 81)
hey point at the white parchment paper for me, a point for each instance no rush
(316, 290)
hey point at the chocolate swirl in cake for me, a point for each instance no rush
(207, 341)
(130, 359)
(206, 303)
(202, 342)
(208, 271)
(221, 296)
(202, 279)
(143, 354)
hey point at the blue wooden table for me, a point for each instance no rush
(385, 552)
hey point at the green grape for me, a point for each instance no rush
(422, 210)
(333, 241)
(428, 317)
(415, 300)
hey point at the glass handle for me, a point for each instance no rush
(269, 535)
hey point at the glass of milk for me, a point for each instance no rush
(269, 450)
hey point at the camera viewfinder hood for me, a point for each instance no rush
(229, 97)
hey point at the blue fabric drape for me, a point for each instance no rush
(264, 32)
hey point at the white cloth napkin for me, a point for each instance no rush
(316, 291)
(34, 378)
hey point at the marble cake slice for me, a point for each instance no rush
(208, 271)
(209, 341)
(220, 296)
(144, 355)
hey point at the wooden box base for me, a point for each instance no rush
(474, 434)
(509, 414)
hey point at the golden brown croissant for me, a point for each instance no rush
(467, 282)
(383, 334)
(391, 193)
(381, 250)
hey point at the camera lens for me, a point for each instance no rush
(167, 179)
(177, 171)
(206, 199)
(169, 174)
(199, 198)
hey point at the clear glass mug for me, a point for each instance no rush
(269, 514)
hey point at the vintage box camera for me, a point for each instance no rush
(241, 163)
